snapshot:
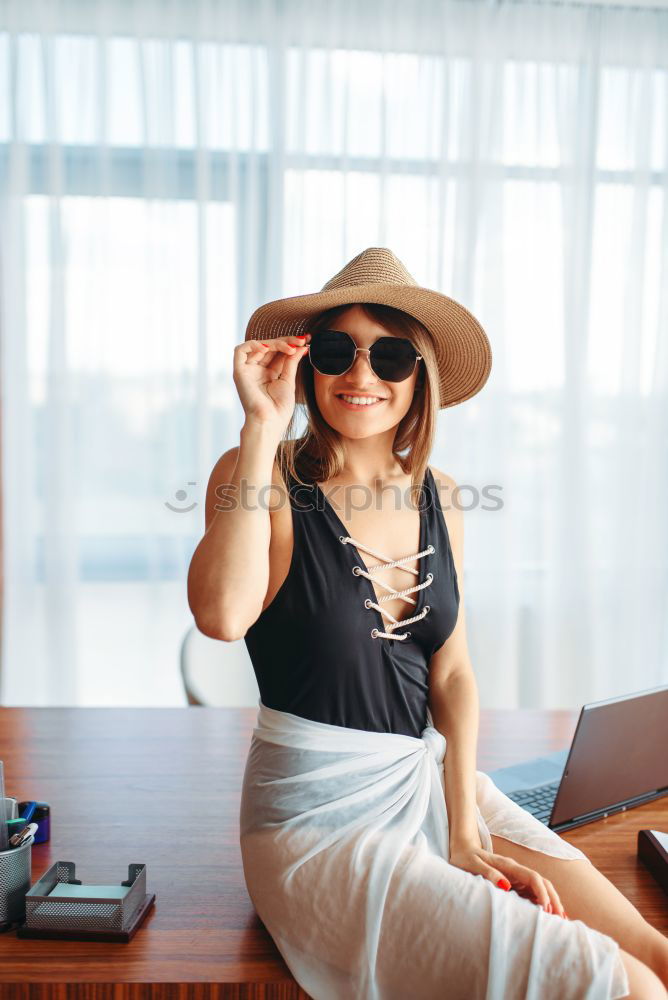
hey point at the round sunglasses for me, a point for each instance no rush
(333, 352)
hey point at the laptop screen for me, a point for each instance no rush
(619, 753)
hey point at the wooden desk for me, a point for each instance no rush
(161, 786)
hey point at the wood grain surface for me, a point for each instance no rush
(161, 786)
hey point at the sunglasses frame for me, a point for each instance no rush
(367, 351)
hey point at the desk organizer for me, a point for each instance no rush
(91, 913)
(653, 851)
(15, 871)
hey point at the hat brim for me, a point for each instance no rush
(463, 352)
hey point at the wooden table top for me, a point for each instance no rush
(161, 786)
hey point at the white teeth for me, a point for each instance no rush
(363, 400)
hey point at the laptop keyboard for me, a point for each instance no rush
(538, 801)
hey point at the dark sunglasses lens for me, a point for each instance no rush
(393, 358)
(331, 352)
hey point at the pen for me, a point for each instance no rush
(25, 834)
(26, 809)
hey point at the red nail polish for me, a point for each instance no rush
(264, 345)
(503, 883)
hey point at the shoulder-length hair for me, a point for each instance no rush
(318, 455)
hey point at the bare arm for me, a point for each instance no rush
(453, 695)
(454, 707)
(229, 570)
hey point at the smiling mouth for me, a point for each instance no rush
(353, 402)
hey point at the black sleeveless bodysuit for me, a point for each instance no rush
(312, 649)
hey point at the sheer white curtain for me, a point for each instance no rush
(165, 167)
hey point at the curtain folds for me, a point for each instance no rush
(165, 167)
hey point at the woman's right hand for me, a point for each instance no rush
(264, 375)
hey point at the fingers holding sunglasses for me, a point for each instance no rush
(262, 362)
(265, 371)
(273, 352)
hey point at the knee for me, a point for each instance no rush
(658, 956)
(644, 984)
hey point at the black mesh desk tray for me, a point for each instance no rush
(85, 915)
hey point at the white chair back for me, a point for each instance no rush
(217, 673)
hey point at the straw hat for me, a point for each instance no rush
(462, 349)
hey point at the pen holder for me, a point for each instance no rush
(11, 807)
(15, 872)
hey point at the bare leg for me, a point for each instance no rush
(587, 895)
(644, 985)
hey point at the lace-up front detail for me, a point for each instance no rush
(310, 648)
(403, 594)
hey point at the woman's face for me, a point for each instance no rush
(393, 399)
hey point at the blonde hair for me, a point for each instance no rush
(319, 455)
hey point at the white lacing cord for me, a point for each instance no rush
(388, 564)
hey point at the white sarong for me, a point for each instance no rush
(344, 841)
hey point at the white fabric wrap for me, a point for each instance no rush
(344, 842)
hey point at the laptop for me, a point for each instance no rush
(618, 759)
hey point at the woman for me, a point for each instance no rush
(382, 867)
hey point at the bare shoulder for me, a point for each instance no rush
(452, 512)
(444, 482)
(221, 476)
(447, 494)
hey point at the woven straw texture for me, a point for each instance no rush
(463, 352)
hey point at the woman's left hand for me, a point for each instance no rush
(511, 874)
